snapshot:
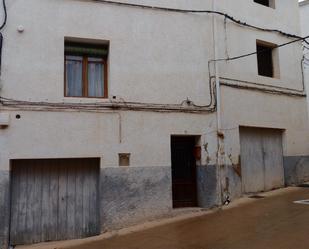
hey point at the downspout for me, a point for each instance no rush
(220, 143)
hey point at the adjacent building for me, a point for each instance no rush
(113, 113)
(304, 20)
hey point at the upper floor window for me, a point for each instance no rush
(267, 59)
(85, 70)
(268, 3)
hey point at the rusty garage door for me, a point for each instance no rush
(54, 200)
(261, 159)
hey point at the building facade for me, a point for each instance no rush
(114, 113)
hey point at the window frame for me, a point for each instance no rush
(85, 77)
(275, 62)
(271, 4)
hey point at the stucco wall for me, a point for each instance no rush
(155, 56)
(73, 134)
(150, 51)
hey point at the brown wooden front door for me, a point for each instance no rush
(183, 171)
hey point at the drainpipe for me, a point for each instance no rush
(218, 102)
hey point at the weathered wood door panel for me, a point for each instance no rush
(54, 200)
(273, 159)
(261, 159)
(183, 172)
(252, 161)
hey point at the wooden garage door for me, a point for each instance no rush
(261, 159)
(54, 200)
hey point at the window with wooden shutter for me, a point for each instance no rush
(86, 70)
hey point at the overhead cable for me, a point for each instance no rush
(211, 107)
(279, 91)
(225, 15)
(1, 27)
(260, 51)
(5, 15)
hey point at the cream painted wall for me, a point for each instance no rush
(72, 134)
(155, 56)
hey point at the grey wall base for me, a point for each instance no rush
(130, 195)
(208, 189)
(296, 169)
(234, 185)
(4, 208)
(207, 186)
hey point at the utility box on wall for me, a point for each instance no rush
(124, 159)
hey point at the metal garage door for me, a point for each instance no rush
(54, 200)
(261, 159)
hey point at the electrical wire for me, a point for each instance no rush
(262, 87)
(260, 51)
(1, 27)
(225, 15)
(211, 107)
(192, 107)
(136, 106)
(5, 15)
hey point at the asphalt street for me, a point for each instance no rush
(274, 222)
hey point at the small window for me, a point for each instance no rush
(263, 2)
(265, 59)
(85, 70)
(268, 3)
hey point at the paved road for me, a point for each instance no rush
(271, 223)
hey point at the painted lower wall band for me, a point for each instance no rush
(130, 195)
(296, 169)
(4, 208)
